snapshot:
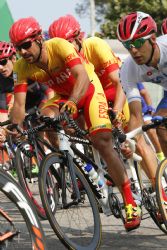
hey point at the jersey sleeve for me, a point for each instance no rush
(105, 55)
(67, 53)
(20, 81)
(140, 86)
(129, 79)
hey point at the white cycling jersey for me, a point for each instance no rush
(132, 73)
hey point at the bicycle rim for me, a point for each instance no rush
(29, 182)
(18, 218)
(150, 201)
(78, 226)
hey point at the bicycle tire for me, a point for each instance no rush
(161, 181)
(68, 237)
(31, 189)
(150, 201)
(32, 236)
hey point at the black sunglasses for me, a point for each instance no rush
(25, 45)
(3, 62)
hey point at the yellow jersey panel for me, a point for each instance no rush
(99, 53)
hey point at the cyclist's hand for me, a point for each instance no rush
(69, 106)
(126, 150)
(11, 130)
(150, 110)
(120, 119)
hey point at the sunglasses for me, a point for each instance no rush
(134, 44)
(3, 62)
(25, 45)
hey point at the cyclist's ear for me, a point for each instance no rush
(153, 39)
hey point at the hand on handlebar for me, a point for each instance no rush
(14, 130)
(120, 119)
(150, 110)
(126, 150)
(69, 106)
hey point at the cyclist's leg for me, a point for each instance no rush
(161, 131)
(154, 138)
(100, 131)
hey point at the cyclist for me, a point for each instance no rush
(147, 112)
(72, 78)
(36, 94)
(146, 63)
(99, 53)
(7, 58)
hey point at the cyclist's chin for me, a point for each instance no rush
(29, 59)
(139, 61)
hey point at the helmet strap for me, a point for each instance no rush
(79, 44)
(152, 53)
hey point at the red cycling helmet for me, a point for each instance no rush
(24, 28)
(6, 49)
(66, 27)
(136, 25)
(164, 27)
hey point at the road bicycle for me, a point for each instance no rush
(76, 219)
(108, 200)
(19, 223)
(23, 153)
(161, 175)
(152, 200)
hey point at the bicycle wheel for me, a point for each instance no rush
(78, 224)
(19, 224)
(29, 181)
(149, 199)
(161, 190)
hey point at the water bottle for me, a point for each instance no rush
(94, 175)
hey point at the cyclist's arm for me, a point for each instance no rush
(108, 61)
(120, 97)
(136, 119)
(50, 93)
(10, 104)
(129, 79)
(82, 82)
(144, 93)
(18, 111)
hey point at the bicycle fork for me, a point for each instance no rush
(64, 146)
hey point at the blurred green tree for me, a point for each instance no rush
(109, 12)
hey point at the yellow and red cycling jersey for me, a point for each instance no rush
(99, 53)
(62, 56)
